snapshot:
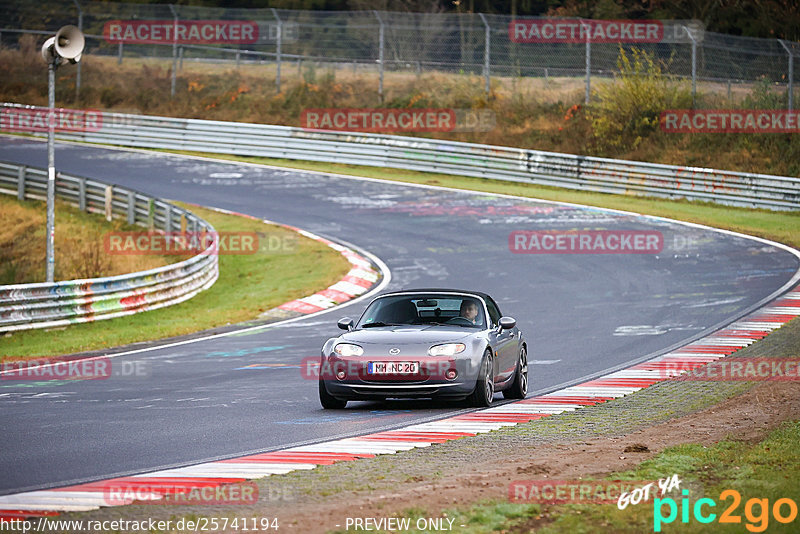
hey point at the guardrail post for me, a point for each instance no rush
(486, 53)
(109, 199)
(131, 207)
(790, 88)
(21, 183)
(119, 54)
(151, 213)
(82, 194)
(380, 53)
(168, 218)
(279, 42)
(238, 58)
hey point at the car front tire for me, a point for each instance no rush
(519, 388)
(328, 401)
(483, 393)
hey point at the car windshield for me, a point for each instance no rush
(428, 309)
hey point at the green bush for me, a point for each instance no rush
(627, 110)
(763, 97)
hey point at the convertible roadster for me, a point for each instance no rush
(437, 343)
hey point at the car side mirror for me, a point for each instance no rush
(345, 323)
(507, 323)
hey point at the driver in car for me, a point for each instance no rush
(469, 310)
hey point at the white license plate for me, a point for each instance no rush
(393, 368)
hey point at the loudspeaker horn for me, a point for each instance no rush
(47, 49)
(69, 42)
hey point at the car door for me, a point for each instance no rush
(504, 343)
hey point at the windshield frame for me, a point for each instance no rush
(429, 294)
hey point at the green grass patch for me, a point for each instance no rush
(780, 226)
(768, 470)
(248, 285)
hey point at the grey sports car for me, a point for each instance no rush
(440, 343)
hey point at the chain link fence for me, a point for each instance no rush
(484, 46)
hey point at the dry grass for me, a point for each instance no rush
(79, 250)
(531, 112)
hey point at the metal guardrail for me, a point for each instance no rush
(449, 157)
(45, 305)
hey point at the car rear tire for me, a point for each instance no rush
(483, 393)
(328, 401)
(519, 388)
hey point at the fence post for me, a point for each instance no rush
(78, 72)
(486, 53)
(21, 183)
(588, 60)
(380, 53)
(82, 194)
(278, 50)
(694, 65)
(790, 88)
(174, 49)
(180, 58)
(119, 54)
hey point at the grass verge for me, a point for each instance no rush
(783, 227)
(79, 251)
(761, 474)
(248, 285)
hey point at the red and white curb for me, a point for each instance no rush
(358, 280)
(726, 341)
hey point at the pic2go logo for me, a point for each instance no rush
(756, 511)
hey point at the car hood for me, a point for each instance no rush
(408, 335)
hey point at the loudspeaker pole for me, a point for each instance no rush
(67, 44)
(51, 167)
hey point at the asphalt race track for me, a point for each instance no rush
(581, 313)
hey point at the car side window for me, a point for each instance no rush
(494, 313)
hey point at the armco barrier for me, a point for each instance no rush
(449, 157)
(43, 305)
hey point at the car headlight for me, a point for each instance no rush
(348, 349)
(448, 349)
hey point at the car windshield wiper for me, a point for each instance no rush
(377, 323)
